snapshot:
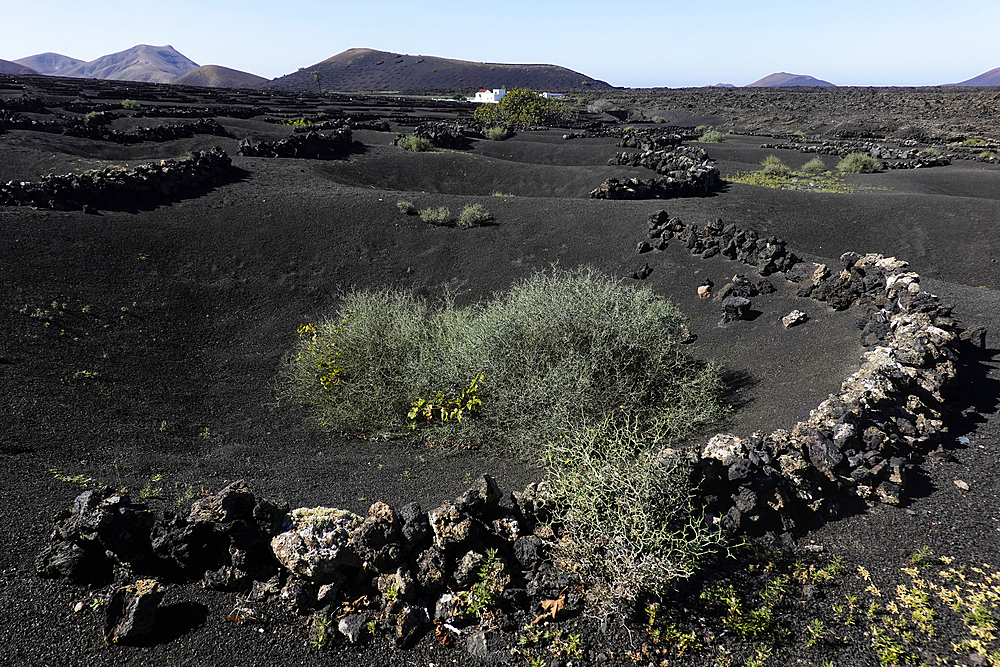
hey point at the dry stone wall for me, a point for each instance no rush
(116, 187)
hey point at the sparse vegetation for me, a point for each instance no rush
(711, 137)
(131, 105)
(859, 163)
(814, 166)
(474, 215)
(406, 207)
(773, 166)
(436, 216)
(414, 143)
(497, 132)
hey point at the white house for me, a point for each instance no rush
(548, 95)
(490, 96)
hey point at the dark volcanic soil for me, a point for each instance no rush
(143, 348)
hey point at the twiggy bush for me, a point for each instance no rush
(711, 137)
(474, 215)
(859, 163)
(558, 348)
(773, 166)
(814, 166)
(436, 216)
(628, 518)
(497, 133)
(406, 207)
(414, 143)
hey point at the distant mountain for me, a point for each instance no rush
(367, 69)
(49, 63)
(785, 80)
(217, 76)
(723, 85)
(991, 78)
(8, 67)
(155, 64)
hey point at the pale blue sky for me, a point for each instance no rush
(638, 44)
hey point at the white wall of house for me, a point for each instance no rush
(489, 96)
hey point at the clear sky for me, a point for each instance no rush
(640, 43)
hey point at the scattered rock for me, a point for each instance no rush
(131, 611)
(794, 318)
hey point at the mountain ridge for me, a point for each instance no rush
(370, 69)
(787, 80)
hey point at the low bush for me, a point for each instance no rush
(557, 348)
(497, 133)
(859, 163)
(406, 207)
(474, 215)
(630, 526)
(436, 216)
(814, 166)
(930, 152)
(131, 105)
(711, 137)
(414, 143)
(773, 166)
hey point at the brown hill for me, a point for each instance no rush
(991, 78)
(367, 69)
(154, 64)
(217, 76)
(49, 63)
(8, 67)
(785, 80)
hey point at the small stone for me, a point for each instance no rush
(705, 291)
(962, 485)
(794, 318)
(354, 627)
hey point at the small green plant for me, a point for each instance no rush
(711, 137)
(406, 207)
(799, 134)
(131, 105)
(490, 583)
(321, 632)
(425, 411)
(815, 632)
(773, 166)
(79, 480)
(498, 193)
(930, 152)
(986, 155)
(497, 132)
(151, 491)
(204, 433)
(814, 166)
(436, 216)
(474, 215)
(859, 163)
(416, 144)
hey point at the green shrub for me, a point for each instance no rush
(521, 106)
(414, 143)
(436, 216)
(986, 155)
(628, 520)
(799, 134)
(406, 207)
(131, 105)
(497, 133)
(711, 137)
(931, 151)
(814, 166)
(773, 166)
(859, 163)
(558, 348)
(474, 215)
